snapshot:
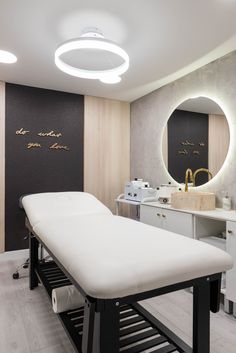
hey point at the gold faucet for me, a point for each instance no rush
(198, 171)
(188, 174)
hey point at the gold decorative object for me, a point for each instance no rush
(183, 151)
(33, 145)
(205, 170)
(22, 132)
(187, 143)
(56, 146)
(188, 174)
(51, 133)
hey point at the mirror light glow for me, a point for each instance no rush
(227, 116)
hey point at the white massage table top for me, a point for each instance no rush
(61, 204)
(112, 257)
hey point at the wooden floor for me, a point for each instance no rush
(28, 325)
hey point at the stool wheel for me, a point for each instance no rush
(16, 275)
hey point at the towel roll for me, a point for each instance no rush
(66, 298)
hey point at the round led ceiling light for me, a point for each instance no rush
(7, 58)
(93, 39)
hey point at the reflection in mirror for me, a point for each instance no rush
(196, 136)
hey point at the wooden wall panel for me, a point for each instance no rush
(2, 166)
(218, 142)
(106, 148)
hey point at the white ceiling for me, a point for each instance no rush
(165, 40)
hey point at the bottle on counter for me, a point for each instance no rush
(226, 202)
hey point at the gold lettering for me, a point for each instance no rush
(33, 145)
(51, 133)
(55, 146)
(187, 143)
(183, 152)
(22, 132)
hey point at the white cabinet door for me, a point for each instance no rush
(151, 215)
(174, 221)
(178, 222)
(231, 249)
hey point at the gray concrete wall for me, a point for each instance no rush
(150, 114)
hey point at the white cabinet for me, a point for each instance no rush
(174, 221)
(205, 226)
(231, 249)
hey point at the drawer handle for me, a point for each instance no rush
(164, 216)
(230, 232)
(158, 215)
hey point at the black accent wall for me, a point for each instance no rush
(187, 144)
(52, 119)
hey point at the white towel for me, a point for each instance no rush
(66, 298)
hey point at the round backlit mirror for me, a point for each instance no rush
(196, 136)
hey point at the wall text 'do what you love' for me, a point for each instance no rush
(37, 144)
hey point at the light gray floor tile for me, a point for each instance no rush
(28, 325)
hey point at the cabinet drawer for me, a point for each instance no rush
(151, 215)
(178, 222)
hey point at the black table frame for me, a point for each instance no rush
(101, 317)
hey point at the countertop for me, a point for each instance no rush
(218, 213)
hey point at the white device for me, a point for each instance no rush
(138, 190)
(164, 192)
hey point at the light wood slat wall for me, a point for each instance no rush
(106, 148)
(2, 166)
(218, 142)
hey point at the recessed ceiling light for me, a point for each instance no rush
(7, 58)
(93, 39)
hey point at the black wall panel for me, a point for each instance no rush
(187, 144)
(40, 169)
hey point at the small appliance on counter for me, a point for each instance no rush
(139, 190)
(164, 192)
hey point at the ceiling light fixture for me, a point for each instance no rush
(92, 39)
(7, 58)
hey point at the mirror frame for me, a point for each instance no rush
(221, 170)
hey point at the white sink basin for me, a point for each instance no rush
(193, 201)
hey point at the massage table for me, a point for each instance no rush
(116, 262)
